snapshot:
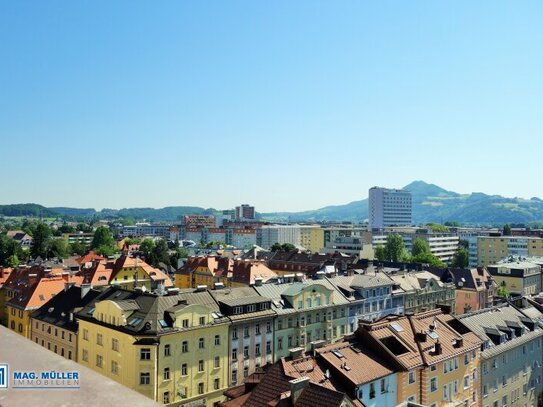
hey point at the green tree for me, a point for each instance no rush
(147, 246)
(78, 248)
(65, 228)
(9, 248)
(461, 258)
(380, 253)
(13, 261)
(463, 243)
(502, 291)
(395, 249)
(58, 247)
(179, 253)
(420, 246)
(103, 242)
(159, 254)
(506, 230)
(437, 228)
(40, 240)
(83, 227)
(427, 258)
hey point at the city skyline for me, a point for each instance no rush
(203, 105)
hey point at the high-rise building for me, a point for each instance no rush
(389, 207)
(245, 212)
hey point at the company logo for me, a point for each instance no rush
(4, 371)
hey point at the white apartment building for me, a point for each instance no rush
(267, 235)
(389, 207)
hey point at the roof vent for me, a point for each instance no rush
(201, 288)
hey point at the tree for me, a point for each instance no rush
(13, 261)
(502, 291)
(395, 249)
(59, 248)
(103, 242)
(147, 246)
(179, 253)
(437, 228)
(78, 248)
(427, 258)
(9, 248)
(463, 243)
(420, 246)
(285, 247)
(461, 258)
(159, 254)
(40, 240)
(380, 253)
(506, 230)
(452, 224)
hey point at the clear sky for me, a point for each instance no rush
(287, 105)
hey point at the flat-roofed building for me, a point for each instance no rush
(389, 207)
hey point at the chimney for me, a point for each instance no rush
(319, 275)
(437, 348)
(258, 282)
(68, 285)
(459, 342)
(296, 388)
(85, 288)
(421, 336)
(201, 288)
(218, 286)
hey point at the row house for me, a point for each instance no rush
(511, 361)
(171, 348)
(309, 313)
(371, 295)
(53, 325)
(435, 355)
(250, 337)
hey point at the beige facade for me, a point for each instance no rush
(59, 340)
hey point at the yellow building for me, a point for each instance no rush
(204, 270)
(493, 249)
(312, 238)
(517, 277)
(129, 272)
(171, 348)
(34, 293)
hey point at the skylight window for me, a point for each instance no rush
(163, 323)
(91, 310)
(433, 335)
(337, 353)
(397, 327)
(134, 321)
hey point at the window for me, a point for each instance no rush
(167, 350)
(145, 354)
(411, 377)
(70, 355)
(114, 367)
(184, 369)
(217, 362)
(485, 368)
(201, 343)
(234, 333)
(166, 374)
(383, 386)
(268, 348)
(504, 381)
(85, 334)
(85, 355)
(257, 329)
(185, 323)
(185, 347)
(280, 343)
(504, 401)
(216, 384)
(166, 397)
(466, 359)
(245, 352)
(234, 354)
(99, 360)
(245, 371)
(234, 376)
(202, 320)
(485, 390)
(433, 384)
(217, 340)
(268, 327)
(200, 365)
(115, 345)
(300, 304)
(246, 331)
(466, 382)
(372, 390)
(145, 378)
(238, 310)
(200, 388)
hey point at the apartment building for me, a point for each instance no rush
(267, 235)
(132, 272)
(511, 362)
(389, 207)
(307, 311)
(370, 294)
(518, 276)
(493, 249)
(241, 238)
(245, 212)
(53, 325)
(250, 337)
(423, 291)
(435, 355)
(171, 348)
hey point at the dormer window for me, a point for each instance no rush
(238, 310)
(251, 308)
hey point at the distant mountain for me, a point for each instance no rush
(432, 203)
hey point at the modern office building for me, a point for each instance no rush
(389, 207)
(245, 212)
(267, 235)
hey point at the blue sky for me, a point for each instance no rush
(285, 105)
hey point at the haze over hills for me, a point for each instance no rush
(431, 203)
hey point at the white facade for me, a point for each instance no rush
(267, 235)
(389, 207)
(243, 238)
